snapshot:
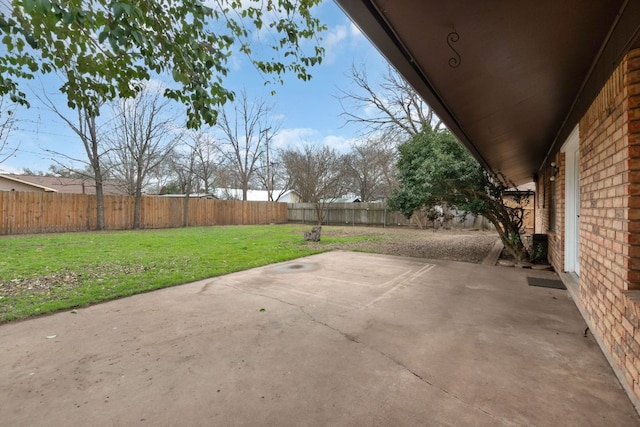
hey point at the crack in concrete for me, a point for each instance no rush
(245, 291)
(385, 355)
(403, 366)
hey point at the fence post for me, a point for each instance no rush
(353, 216)
(384, 217)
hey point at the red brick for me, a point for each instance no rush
(633, 277)
(634, 126)
(632, 250)
(634, 101)
(633, 89)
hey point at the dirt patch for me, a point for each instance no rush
(453, 245)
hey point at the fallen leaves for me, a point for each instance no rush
(47, 283)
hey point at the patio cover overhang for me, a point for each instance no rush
(510, 78)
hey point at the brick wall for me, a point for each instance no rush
(610, 220)
(557, 234)
(550, 201)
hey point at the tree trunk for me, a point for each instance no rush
(91, 146)
(320, 212)
(185, 211)
(245, 189)
(313, 235)
(417, 219)
(136, 210)
(99, 206)
(137, 206)
(512, 241)
(514, 245)
(97, 176)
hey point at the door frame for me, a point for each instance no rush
(571, 149)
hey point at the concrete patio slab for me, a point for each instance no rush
(341, 339)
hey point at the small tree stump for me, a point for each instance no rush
(313, 235)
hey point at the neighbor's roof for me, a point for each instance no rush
(32, 184)
(70, 185)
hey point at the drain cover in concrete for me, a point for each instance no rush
(295, 267)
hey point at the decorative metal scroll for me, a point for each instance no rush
(453, 37)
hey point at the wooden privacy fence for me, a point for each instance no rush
(376, 214)
(347, 213)
(31, 212)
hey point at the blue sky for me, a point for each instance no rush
(310, 111)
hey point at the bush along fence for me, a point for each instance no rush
(375, 214)
(31, 212)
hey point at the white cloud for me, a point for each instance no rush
(332, 42)
(340, 38)
(338, 143)
(296, 138)
(336, 35)
(354, 31)
(293, 138)
(6, 168)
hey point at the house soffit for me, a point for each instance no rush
(526, 71)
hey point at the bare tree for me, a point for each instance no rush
(317, 173)
(391, 108)
(371, 170)
(7, 125)
(207, 161)
(246, 131)
(140, 138)
(227, 181)
(191, 166)
(272, 176)
(162, 178)
(86, 128)
(183, 165)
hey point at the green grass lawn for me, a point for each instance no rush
(45, 273)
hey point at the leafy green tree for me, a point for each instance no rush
(101, 46)
(435, 168)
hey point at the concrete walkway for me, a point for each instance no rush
(339, 339)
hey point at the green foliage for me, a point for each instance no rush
(432, 167)
(172, 187)
(435, 168)
(538, 253)
(103, 47)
